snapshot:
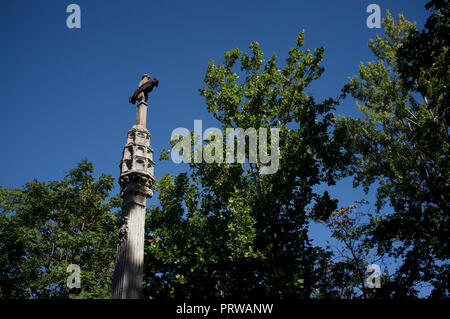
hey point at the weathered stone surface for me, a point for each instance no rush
(127, 281)
(137, 157)
(145, 87)
(136, 179)
(141, 114)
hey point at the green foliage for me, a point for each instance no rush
(45, 226)
(402, 143)
(352, 254)
(226, 229)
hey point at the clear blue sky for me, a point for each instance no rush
(64, 92)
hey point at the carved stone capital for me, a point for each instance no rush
(137, 183)
(135, 194)
(137, 163)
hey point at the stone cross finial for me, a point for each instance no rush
(145, 78)
(145, 87)
(141, 95)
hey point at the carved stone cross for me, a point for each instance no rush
(141, 95)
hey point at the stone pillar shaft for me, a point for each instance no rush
(130, 252)
(136, 180)
(141, 114)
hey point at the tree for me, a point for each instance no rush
(226, 230)
(402, 145)
(423, 60)
(45, 226)
(352, 254)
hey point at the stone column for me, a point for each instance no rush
(141, 114)
(136, 180)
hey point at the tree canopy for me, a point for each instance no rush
(46, 226)
(228, 229)
(402, 144)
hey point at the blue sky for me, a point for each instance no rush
(64, 92)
